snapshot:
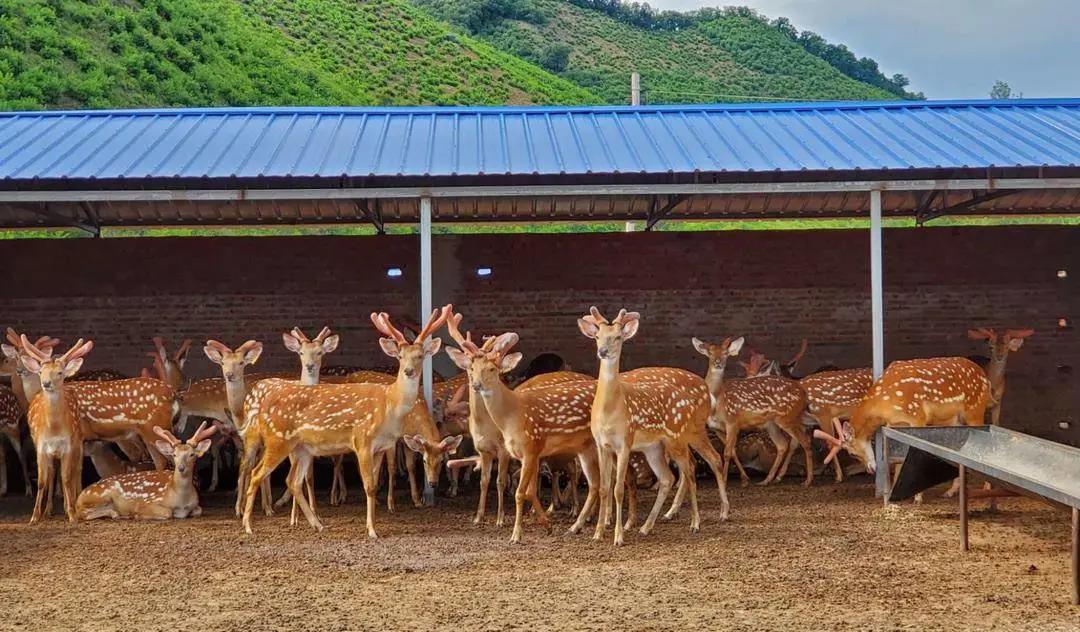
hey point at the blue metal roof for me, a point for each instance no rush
(475, 141)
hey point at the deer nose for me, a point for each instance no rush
(602, 353)
(45, 384)
(310, 368)
(410, 372)
(476, 386)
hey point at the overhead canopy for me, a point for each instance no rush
(320, 165)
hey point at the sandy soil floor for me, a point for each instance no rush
(826, 558)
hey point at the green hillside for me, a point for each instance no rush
(712, 55)
(106, 53)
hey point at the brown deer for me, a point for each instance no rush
(765, 401)
(1000, 347)
(107, 463)
(659, 411)
(926, 392)
(10, 413)
(205, 397)
(534, 422)
(329, 419)
(170, 367)
(56, 424)
(155, 495)
(832, 396)
(24, 384)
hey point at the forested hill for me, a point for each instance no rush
(146, 53)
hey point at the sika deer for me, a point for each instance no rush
(10, 413)
(534, 423)
(1000, 346)
(155, 495)
(56, 425)
(659, 411)
(206, 400)
(24, 383)
(329, 419)
(762, 401)
(832, 396)
(170, 368)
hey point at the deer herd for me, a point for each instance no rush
(618, 428)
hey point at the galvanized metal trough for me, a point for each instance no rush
(1032, 466)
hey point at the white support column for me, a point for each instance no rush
(877, 307)
(425, 284)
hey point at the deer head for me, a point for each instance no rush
(433, 454)
(759, 365)
(232, 363)
(53, 371)
(12, 350)
(170, 368)
(484, 364)
(1000, 346)
(845, 438)
(184, 454)
(718, 354)
(311, 352)
(410, 355)
(609, 336)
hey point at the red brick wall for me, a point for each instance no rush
(774, 287)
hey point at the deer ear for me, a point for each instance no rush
(71, 367)
(460, 358)
(450, 445)
(164, 447)
(31, 364)
(1015, 344)
(251, 356)
(432, 346)
(9, 351)
(848, 432)
(291, 342)
(509, 361)
(629, 328)
(414, 442)
(202, 447)
(331, 343)
(588, 328)
(977, 334)
(736, 346)
(700, 346)
(214, 355)
(389, 347)
(181, 356)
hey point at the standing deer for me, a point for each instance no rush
(832, 396)
(768, 401)
(329, 419)
(204, 398)
(534, 422)
(926, 392)
(10, 413)
(1000, 347)
(154, 495)
(659, 411)
(24, 384)
(55, 424)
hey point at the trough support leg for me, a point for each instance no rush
(883, 483)
(1076, 557)
(963, 510)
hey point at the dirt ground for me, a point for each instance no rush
(826, 558)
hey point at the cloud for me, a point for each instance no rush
(948, 48)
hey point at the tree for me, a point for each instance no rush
(1001, 90)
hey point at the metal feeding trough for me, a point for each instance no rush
(1027, 464)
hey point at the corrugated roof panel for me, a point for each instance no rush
(472, 141)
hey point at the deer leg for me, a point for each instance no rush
(554, 493)
(17, 446)
(687, 472)
(705, 448)
(533, 491)
(485, 479)
(455, 479)
(295, 481)
(410, 469)
(782, 446)
(795, 428)
(622, 462)
(500, 486)
(50, 487)
(44, 468)
(836, 461)
(631, 500)
(71, 474)
(272, 455)
(657, 457)
(575, 482)
(590, 465)
(391, 474)
(365, 463)
(3, 471)
(605, 459)
(215, 456)
(995, 415)
(528, 470)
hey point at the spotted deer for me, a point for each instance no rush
(1001, 345)
(534, 422)
(56, 425)
(925, 392)
(769, 402)
(832, 396)
(10, 413)
(154, 495)
(222, 399)
(329, 419)
(24, 384)
(659, 411)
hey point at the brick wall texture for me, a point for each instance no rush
(774, 287)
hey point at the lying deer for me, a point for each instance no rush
(329, 419)
(534, 422)
(1000, 347)
(56, 424)
(934, 391)
(659, 411)
(154, 495)
(766, 401)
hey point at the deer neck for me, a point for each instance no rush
(56, 408)
(173, 376)
(235, 392)
(401, 395)
(19, 387)
(714, 379)
(608, 389)
(503, 406)
(996, 371)
(307, 379)
(182, 482)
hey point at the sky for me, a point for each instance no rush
(949, 49)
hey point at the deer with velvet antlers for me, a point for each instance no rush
(154, 495)
(330, 419)
(1001, 345)
(659, 411)
(535, 422)
(56, 425)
